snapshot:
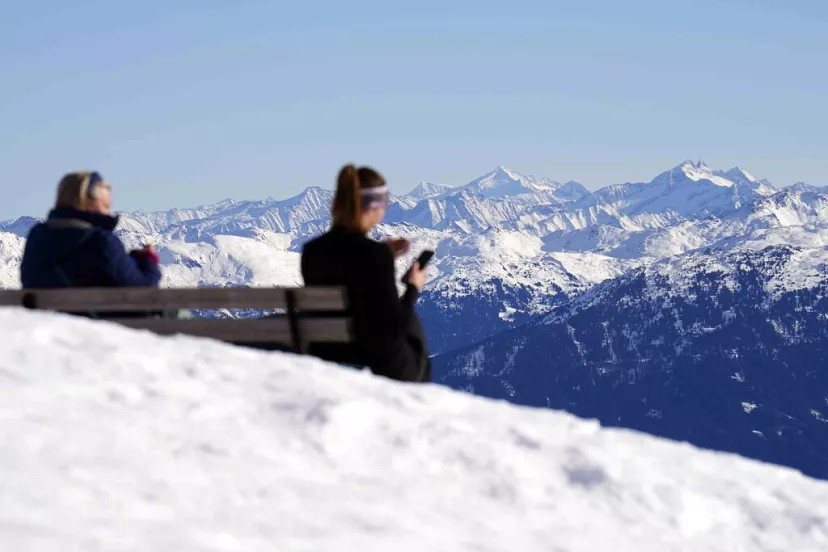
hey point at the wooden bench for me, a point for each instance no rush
(307, 315)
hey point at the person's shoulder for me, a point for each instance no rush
(316, 242)
(319, 244)
(337, 238)
(357, 245)
(104, 234)
(36, 229)
(55, 233)
(377, 247)
(105, 239)
(361, 244)
(376, 252)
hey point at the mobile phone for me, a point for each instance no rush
(424, 257)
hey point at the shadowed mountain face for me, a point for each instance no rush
(454, 323)
(726, 350)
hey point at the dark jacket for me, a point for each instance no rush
(74, 248)
(382, 321)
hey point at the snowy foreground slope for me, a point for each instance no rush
(120, 440)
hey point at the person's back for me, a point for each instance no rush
(76, 246)
(387, 334)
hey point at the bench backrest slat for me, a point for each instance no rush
(312, 314)
(142, 299)
(11, 297)
(275, 330)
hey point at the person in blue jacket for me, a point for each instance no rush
(76, 246)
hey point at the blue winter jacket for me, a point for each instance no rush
(74, 248)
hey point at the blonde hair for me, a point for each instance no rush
(74, 189)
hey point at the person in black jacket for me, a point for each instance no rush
(76, 247)
(388, 336)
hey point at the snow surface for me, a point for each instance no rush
(11, 253)
(119, 440)
(262, 259)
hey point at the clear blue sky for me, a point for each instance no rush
(181, 103)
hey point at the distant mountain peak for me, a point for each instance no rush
(699, 170)
(572, 190)
(690, 189)
(424, 190)
(690, 164)
(738, 174)
(315, 190)
(19, 226)
(499, 182)
(690, 172)
(506, 171)
(505, 182)
(695, 172)
(500, 173)
(805, 187)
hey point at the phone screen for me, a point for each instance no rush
(424, 257)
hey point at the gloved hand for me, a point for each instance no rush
(146, 253)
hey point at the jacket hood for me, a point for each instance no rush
(105, 222)
(64, 232)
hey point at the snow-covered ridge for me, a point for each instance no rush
(775, 266)
(692, 190)
(504, 182)
(11, 251)
(121, 440)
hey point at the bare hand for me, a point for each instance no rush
(417, 276)
(399, 246)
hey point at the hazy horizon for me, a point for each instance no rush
(187, 104)
(399, 190)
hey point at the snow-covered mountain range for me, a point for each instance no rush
(515, 250)
(509, 247)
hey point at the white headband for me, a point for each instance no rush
(372, 191)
